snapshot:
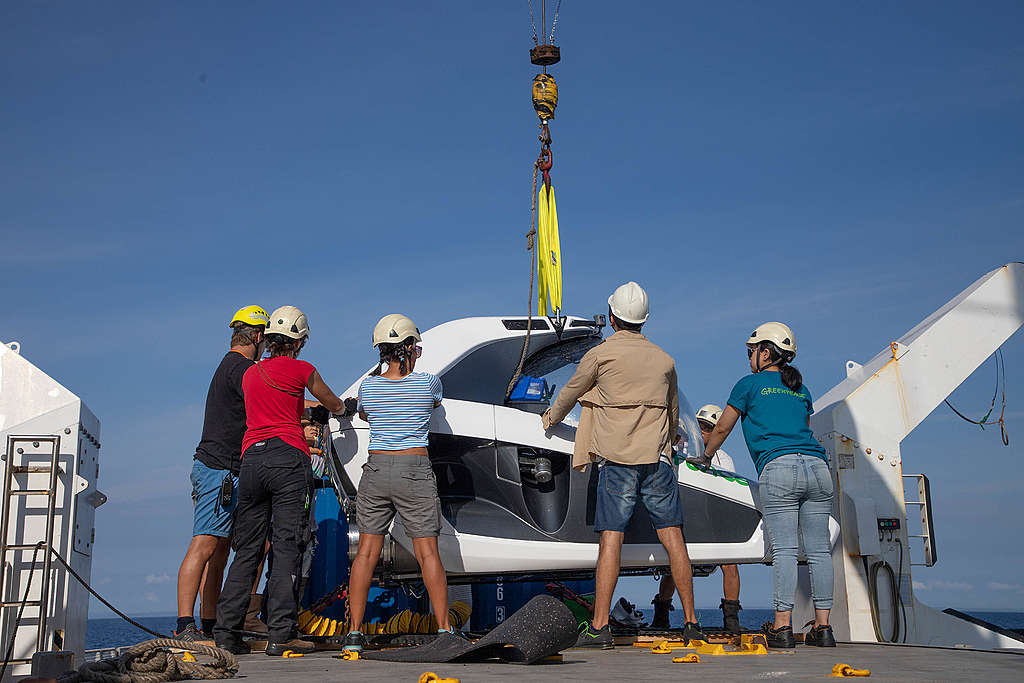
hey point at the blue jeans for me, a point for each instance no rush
(617, 489)
(796, 498)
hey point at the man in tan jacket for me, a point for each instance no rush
(630, 415)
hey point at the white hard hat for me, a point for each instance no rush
(710, 414)
(776, 333)
(288, 321)
(629, 303)
(393, 329)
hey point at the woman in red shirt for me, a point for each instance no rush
(275, 486)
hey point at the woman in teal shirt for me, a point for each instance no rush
(795, 480)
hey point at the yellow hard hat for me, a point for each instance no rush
(776, 333)
(393, 329)
(250, 315)
(288, 321)
(710, 414)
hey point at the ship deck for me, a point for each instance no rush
(886, 662)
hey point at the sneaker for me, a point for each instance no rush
(819, 636)
(234, 646)
(782, 637)
(599, 639)
(296, 645)
(661, 610)
(190, 634)
(691, 631)
(354, 641)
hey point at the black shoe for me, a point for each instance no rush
(234, 646)
(731, 616)
(781, 638)
(354, 641)
(599, 639)
(299, 647)
(661, 610)
(190, 634)
(819, 636)
(691, 631)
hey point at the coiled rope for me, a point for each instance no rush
(152, 662)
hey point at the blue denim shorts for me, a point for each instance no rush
(617, 489)
(209, 517)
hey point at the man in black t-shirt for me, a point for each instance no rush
(215, 477)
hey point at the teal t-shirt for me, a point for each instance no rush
(774, 418)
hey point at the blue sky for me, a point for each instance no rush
(844, 167)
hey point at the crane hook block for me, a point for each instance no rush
(545, 96)
(545, 55)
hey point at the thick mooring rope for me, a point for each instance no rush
(152, 662)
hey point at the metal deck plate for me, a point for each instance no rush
(903, 663)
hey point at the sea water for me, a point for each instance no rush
(116, 632)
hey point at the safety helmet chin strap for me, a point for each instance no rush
(782, 360)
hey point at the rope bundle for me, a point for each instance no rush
(152, 662)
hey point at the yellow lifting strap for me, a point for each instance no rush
(549, 254)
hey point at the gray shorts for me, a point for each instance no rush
(398, 483)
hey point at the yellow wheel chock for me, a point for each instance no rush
(845, 671)
(431, 677)
(692, 657)
(349, 655)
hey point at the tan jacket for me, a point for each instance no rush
(627, 389)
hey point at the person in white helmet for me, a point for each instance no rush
(275, 486)
(796, 486)
(629, 422)
(397, 477)
(707, 418)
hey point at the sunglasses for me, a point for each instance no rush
(750, 352)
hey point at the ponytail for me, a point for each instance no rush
(790, 376)
(391, 353)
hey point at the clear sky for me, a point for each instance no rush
(844, 167)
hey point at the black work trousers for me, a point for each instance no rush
(275, 488)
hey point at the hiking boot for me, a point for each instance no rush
(691, 631)
(600, 639)
(235, 646)
(661, 610)
(354, 641)
(731, 615)
(296, 645)
(190, 634)
(819, 636)
(252, 615)
(782, 637)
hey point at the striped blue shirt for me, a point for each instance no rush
(398, 410)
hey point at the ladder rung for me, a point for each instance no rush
(25, 547)
(914, 502)
(35, 469)
(29, 603)
(31, 492)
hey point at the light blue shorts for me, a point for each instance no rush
(209, 517)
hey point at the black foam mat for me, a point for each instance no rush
(541, 628)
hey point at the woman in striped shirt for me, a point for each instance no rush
(397, 477)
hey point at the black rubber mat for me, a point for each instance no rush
(541, 628)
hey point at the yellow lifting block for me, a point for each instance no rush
(753, 639)
(431, 677)
(692, 657)
(845, 671)
(187, 657)
(707, 649)
(751, 649)
(349, 655)
(288, 654)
